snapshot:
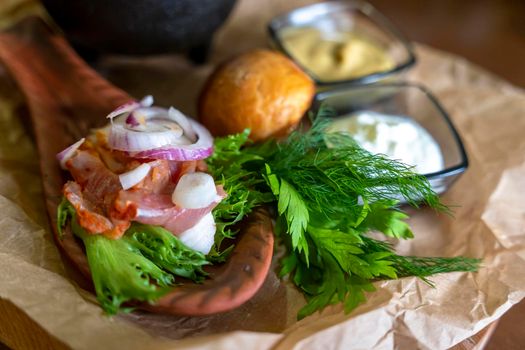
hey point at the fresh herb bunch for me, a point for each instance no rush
(329, 193)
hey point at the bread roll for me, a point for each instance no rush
(261, 90)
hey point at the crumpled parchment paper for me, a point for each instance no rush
(489, 222)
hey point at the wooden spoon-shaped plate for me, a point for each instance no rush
(66, 99)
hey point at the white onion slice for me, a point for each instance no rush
(201, 149)
(184, 123)
(67, 153)
(201, 236)
(194, 191)
(133, 177)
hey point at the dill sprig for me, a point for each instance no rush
(332, 168)
(328, 193)
(421, 266)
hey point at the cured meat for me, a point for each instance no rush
(103, 207)
(158, 209)
(99, 185)
(162, 178)
(89, 217)
(93, 193)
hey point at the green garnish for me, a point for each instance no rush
(139, 266)
(228, 165)
(329, 193)
(166, 251)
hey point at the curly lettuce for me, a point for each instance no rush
(141, 266)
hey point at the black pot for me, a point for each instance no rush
(139, 27)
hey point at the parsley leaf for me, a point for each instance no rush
(384, 217)
(292, 206)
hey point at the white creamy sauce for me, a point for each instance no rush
(397, 137)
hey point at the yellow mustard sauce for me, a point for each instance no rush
(335, 56)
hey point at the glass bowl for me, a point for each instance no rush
(357, 17)
(412, 101)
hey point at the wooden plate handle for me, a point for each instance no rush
(49, 72)
(64, 95)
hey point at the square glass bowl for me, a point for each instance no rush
(408, 100)
(357, 17)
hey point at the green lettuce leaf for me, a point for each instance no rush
(140, 266)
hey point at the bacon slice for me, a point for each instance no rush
(165, 174)
(162, 178)
(99, 184)
(89, 217)
(103, 207)
(93, 194)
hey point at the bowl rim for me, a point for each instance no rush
(446, 172)
(368, 11)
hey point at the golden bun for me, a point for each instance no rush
(261, 90)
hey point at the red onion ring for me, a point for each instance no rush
(184, 123)
(144, 129)
(122, 139)
(125, 108)
(132, 121)
(130, 107)
(201, 149)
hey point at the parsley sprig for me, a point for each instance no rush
(329, 193)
